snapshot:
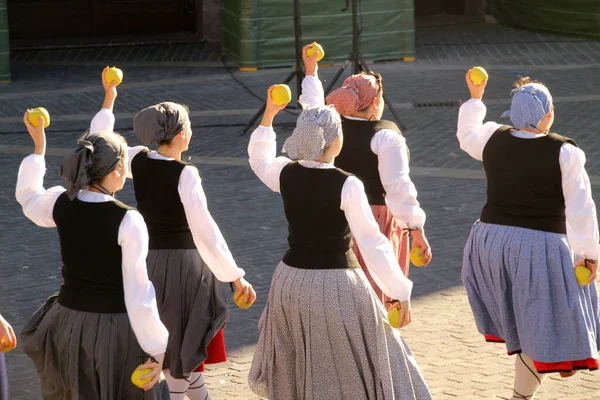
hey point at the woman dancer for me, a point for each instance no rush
(87, 340)
(538, 223)
(188, 258)
(323, 333)
(376, 152)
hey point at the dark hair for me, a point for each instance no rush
(525, 80)
(168, 141)
(379, 79)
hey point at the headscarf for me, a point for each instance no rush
(160, 122)
(530, 103)
(357, 92)
(316, 128)
(95, 156)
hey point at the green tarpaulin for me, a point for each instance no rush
(4, 48)
(260, 33)
(571, 17)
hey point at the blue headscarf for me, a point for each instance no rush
(530, 103)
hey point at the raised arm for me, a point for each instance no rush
(262, 148)
(37, 202)
(104, 120)
(312, 88)
(471, 132)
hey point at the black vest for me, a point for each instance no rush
(524, 181)
(91, 254)
(357, 158)
(155, 183)
(319, 236)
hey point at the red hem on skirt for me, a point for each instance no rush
(217, 353)
(545, 368)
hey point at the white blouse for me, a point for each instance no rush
(374, 247)
(392, 156)
(140, 299)
(207, 235)
(580, 210)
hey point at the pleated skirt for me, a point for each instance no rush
(191, 303)
(400, 241)
(82, 355)
(324, 335)
(522, 289)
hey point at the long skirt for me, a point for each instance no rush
(324, 335)
(4, 393)
(191, 303)
(84, 355)
(400, 241)
(522, 289)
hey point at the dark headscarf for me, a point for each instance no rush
(160, 122)
(95, 156)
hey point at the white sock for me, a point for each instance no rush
(177, 387)
(527, 379)
(197, 389)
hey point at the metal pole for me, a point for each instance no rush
(355, 35)
(4, 45)
(298, 47)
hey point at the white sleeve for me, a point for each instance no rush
(140, 298)
(401, 194)
(580, 210)
(472, 133)
(312, 91)
(374, 247)
(103, 121)
(37, 202)
(262, 150)
(131, 153)
(206, 233)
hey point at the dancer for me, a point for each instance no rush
(87, 340)
(323, 333)
(188, 258)
(538, 223)
(8, 341)
(376, 152)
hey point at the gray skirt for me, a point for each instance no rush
(325, 335)
(191, 303)
(84, 355)
(522, 288)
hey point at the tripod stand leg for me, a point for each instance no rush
(366, 68)
(337, 75)
(262, 109)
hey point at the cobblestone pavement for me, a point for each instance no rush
(452, 355)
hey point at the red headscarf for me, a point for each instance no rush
(357, 92)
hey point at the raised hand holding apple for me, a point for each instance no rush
(475, 90)
(38, 134)
(311, 54)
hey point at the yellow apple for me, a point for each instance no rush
(281, 94)
(394, 316)
(241, 301)
(311, 51)
(582, 274)
(138, 373)
(113, 74)
(478, 75)
(36, 113)
(415, 258)
(6, 346)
